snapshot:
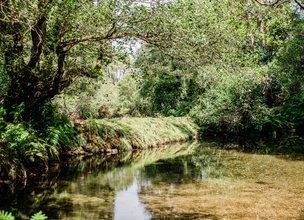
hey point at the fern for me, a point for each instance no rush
(39, 216)
(6, 216)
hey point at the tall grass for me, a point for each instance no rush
(135, 133)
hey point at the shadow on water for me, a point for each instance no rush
(81, 185)
(290, 148)
(183, 181)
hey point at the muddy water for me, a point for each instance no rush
(188, 181)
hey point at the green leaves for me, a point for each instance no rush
(293, 110)
(15, 136)
(39, 216)
(6, 215)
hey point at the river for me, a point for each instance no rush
(183, 181)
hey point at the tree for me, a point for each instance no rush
(46, 44)
(300, 3)
(43, 41)
(169, 86)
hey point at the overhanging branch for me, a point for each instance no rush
(268, 3)
(301, 5)
(277, 2)
(70, 43)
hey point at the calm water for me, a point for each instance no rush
(182, 181)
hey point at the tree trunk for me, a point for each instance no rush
(27, 86)
(23, 89)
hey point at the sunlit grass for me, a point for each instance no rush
(137, 133)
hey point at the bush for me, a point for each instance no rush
(293, 111)
(8, 216)
(29, 144)
(234, 104)
(102, 98)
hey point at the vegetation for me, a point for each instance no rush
(135, 133)
(110, 173)
(8, 216)
(46, 44)
(24, 146)
(69, 70)
(253, 90)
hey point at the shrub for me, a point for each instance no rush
(235, 104)
(8, 216)
(24, 143)
(293, 110)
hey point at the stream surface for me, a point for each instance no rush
(183, 181)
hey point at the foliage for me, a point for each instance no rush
(23, 140)
(237, 102)
(8, 216)
(101, 98)
(168, 86)
(25, 143)
(234, 66)
(139, 133)
(293, 110)
(278, 2)
(57, 128)
(242, 32)
(78, 98)
(129, 100)
(47, 44)
(72, 38)
(287, 76)
(39, 216)
(288, 65)
(4, 79)
(85, 97)
(238, 94)
(2, 121)
(258, 101)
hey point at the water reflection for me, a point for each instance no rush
(128, 205)
(189, 181)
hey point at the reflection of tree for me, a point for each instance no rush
(204, 163)
(85, 187)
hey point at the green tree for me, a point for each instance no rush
(165, 83)
(46, 44)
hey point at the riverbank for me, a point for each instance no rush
(23, 154)
(121, 134)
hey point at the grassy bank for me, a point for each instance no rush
(23, 151)
(121, 134)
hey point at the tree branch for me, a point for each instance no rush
(70, 43)
(38, 33)
(276, 2)
(268, 4)
(301, 5)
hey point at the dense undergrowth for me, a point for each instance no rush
(32, 144)
(29, 147)
(263, 101)
(8, 216)
(252, 88)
